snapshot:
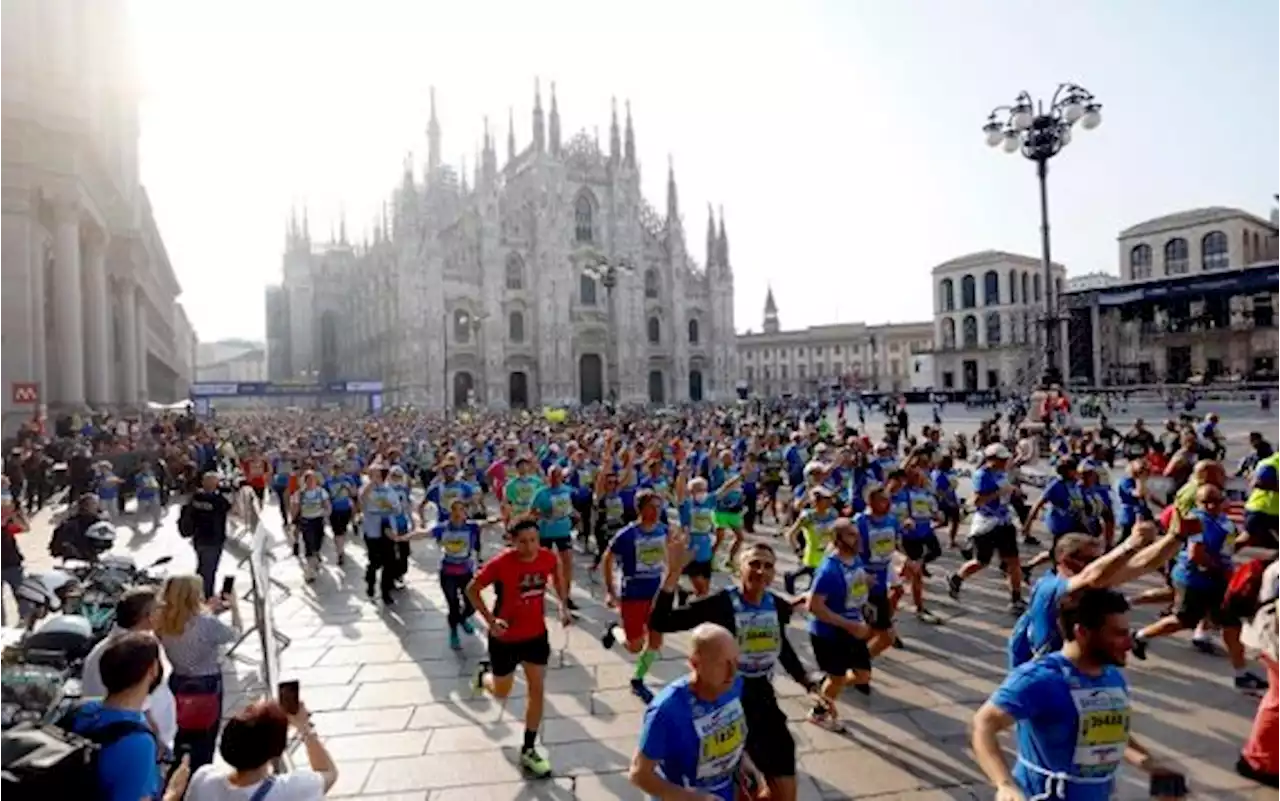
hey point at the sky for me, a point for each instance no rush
(842, 138)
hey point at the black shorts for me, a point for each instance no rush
(839, 653)
(1002, 539)
(699, 570)
(1262, 529)
(916, 548)
(1194, 604)
(951, 514)
(556, 543)
(505, 656)
(772, 747)
(881, 613)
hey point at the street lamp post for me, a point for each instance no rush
(1040, 132)
(606, 272)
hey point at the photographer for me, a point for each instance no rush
(204, 521)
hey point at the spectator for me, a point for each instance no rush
(127, 769)
(251, 742)
(135, 612)
(13, 525)
(206, 525)
(192, 637)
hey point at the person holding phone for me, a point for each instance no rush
(252, 741)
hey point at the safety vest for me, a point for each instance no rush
(1265, 501)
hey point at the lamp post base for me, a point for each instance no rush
(1050, 378)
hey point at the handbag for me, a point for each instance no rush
(198, 707)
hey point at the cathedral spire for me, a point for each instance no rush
(615, 141)
(712, 247)
(673, 203)
(306, 225)
(433, 139)
(555, 123)
(630, 157)
(511, 134)
(723, 255)
(342, 225)
(539, 132)
(770, 313)
(462, 174)
(490, 157)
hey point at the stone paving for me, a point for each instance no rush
(395, 707)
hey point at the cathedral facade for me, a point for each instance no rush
(544, 280)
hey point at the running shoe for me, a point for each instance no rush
(1205, 645)
(455, 642)
(640, 691)
(1031, 541)
(535, 764)
(467, 628)
(571, 605)
(1017, 606)
(477, 681)
(789, 581)
(865, 689)
(825, 720)
(1139, 647)
(927, 616)
(1250, 682)
(954, 583)
(608, 640)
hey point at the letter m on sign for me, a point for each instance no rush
(26, 392)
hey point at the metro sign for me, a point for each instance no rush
(26, 392)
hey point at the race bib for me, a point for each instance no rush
(1103, 732)
(858, 591)
(883, 543)
(561, 506)
(722, 737)
(456, 546)
(650, 554)
(704, 521)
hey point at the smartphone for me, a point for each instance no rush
(228, 584)
(287, 692)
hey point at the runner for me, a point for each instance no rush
(726, 483)
(814, 526)
(553, 506)
(1072, 711)
(758, 619)
(311, 508)
(638, 549)
(518, 494)
(878, 533)
(838, 629)
(992, 530)
(459, 541)
(343, 487)
(517, 631)
(693, 743)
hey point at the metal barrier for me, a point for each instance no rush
(271, 641)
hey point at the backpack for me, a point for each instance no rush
(48, 761)
(186, 523)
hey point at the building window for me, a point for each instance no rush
(818, 369)
(948, 295)
(651, 283)
(990, 288)
(693, 332)
(970, 331)
(1035, 286)
(837, 369)
(1026, 296)
(948, 380)
(1175, 257)
(515, 327)
(968, 292)
(948, 333)
(655, 331)
(800, 372)
(1258, 255)
(1264, 316)
(993, 329)
(587, 290)
(1140, 262)
(1213, 251)
(749, 371)
(1013, 286)
(462, 326)
(582, 211)
(782, 372)
(765, 372)
(515, 271)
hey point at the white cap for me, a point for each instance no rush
(996, 451)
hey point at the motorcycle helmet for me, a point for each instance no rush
(70, 543)
(59, 640)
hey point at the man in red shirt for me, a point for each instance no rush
(517, 630)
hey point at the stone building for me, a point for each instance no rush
(1196, 303)
(89, 297)
(988, 313)
(872, 358)
(486, 289)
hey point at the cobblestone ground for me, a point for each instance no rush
(395, 708)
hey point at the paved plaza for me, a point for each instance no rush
(396, 710)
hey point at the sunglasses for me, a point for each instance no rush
(760, 564)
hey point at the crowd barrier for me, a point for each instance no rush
(252, 536)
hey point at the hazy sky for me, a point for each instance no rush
(842, 138)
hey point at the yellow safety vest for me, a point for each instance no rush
(1265, 501)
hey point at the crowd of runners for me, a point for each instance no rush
(682, 516)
